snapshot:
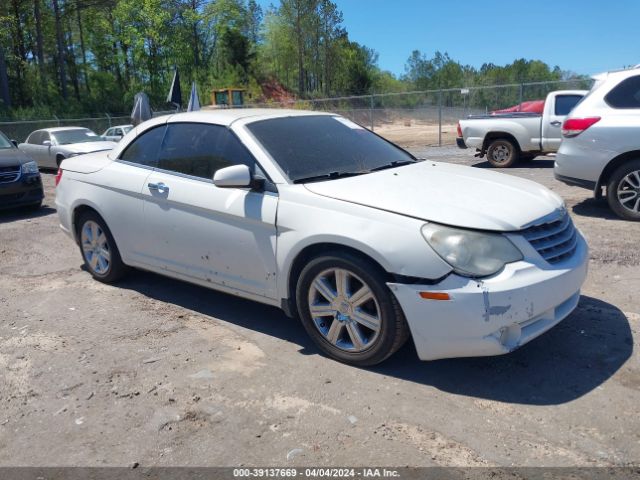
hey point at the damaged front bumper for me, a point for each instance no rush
(496, 315)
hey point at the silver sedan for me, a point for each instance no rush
(48, 147)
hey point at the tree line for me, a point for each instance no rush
(84, 56)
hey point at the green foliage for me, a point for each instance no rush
(101, 52)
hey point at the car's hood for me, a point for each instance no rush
(449, 194)
(12, 156)
(87, 147)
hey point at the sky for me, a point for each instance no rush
(586, 37)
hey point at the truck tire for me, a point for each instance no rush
(502, 153)
(623, 190)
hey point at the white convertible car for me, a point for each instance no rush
(321, 217)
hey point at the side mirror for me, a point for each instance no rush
(237, 176)
(15, 143)
(47, 143)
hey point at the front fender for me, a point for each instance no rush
(391, 240)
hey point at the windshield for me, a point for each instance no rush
(80, 135)
(5, 142)
(322, 145)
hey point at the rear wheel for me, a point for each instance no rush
(502, 153)
(99, 250)
(348, 310)
(623, 190)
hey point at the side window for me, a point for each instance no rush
(565, 103)
(44, 136)
(626, 94)
(33, 138)
(145, 148)
(200, 149)
(118, 132)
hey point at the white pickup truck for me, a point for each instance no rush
(507, 138)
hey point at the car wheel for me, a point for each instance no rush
(348, 310)
(502, 153)
(623, 190)
(99, 251)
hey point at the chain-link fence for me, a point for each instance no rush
(428, 118)
(20, 130)
(410, 119)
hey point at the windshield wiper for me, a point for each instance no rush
(394, 164)
(328, 176)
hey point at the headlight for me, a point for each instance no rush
(471, 253)
(29, 167)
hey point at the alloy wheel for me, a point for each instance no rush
(629, 191)
(95, 247)
(345, 310)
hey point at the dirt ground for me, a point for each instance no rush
(154, 371)
(414, 135)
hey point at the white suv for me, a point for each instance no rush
(601, 144)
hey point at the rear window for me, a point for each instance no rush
(626, 94)
(565, 103)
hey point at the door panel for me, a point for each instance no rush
(41, 154)
(218, 235)
(121, 202)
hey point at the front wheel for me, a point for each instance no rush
(348, 310)
(623, 191)
(502, 153)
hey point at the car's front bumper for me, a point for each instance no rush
(496, 315)
(27, 190)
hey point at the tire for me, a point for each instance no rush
(502, 153)
(101, 256)
(338, 326)
(623, 190)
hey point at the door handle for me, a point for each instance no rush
(158, 187)
(556, 123)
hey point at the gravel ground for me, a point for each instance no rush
(159, 372)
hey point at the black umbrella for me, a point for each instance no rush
(175, 95)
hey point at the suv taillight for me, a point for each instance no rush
(572, 127)
(459, 130)
(58, 176)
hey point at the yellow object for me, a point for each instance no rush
(435, 296)
(228, 96)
